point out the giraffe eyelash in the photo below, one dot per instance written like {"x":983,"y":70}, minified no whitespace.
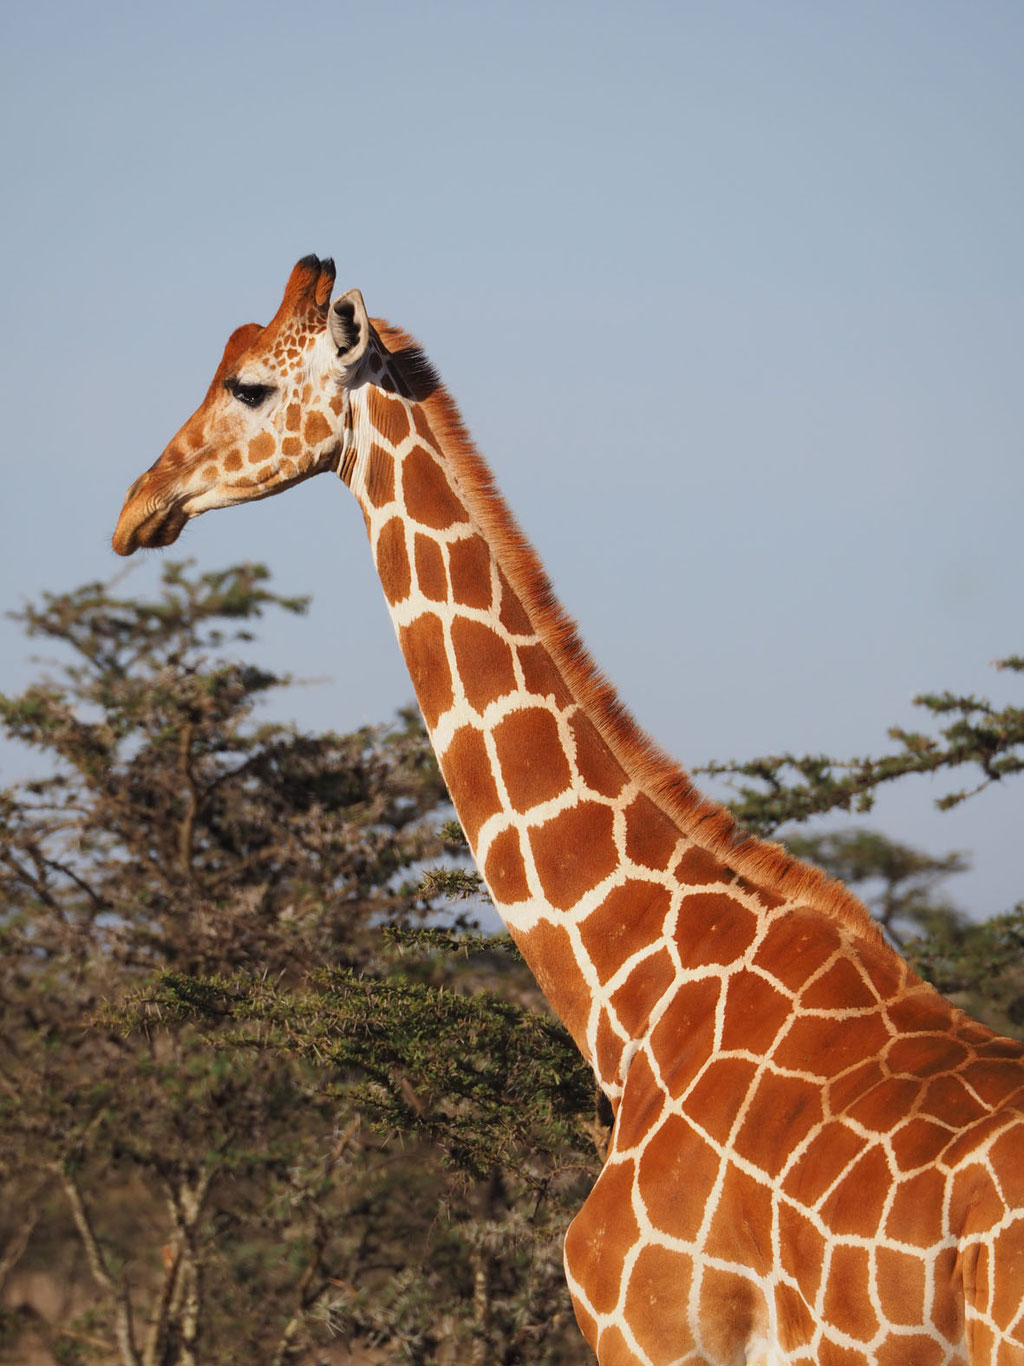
{"x":252,"y":395}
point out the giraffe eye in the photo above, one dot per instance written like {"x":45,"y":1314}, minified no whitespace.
{"x":252,"y":395}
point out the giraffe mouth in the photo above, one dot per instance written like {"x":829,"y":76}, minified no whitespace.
{"x":148,"y":529}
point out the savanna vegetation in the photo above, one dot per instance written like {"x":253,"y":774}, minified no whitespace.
{"x":267,"y":1092}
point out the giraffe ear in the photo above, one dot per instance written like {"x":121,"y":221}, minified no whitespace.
{"x":350,"y":328}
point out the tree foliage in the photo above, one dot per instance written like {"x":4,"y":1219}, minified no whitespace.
{"x":226,"y":1198}
{"x":259,"y":1100}
{"x":973,"y":734}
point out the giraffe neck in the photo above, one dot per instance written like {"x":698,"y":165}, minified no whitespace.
{"x":602,"y":862}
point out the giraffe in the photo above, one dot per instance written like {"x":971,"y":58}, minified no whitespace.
{"x":815,"y":1158}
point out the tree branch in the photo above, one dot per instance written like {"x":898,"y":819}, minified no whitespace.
{"x":101,"y":1273}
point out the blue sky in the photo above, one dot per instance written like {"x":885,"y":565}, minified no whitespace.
{"x":729,"y":294}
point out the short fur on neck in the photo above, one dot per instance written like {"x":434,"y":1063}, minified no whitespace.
{"x":667,"y":784}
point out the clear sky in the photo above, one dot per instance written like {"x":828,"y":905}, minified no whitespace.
{"x":729,"y":293}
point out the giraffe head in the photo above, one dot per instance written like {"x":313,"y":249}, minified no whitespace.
{"x":273,"y":415}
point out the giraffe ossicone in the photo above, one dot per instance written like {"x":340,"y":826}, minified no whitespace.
{"x":815,"y":1157}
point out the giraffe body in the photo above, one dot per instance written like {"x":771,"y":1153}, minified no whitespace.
{"x":815,"y":1158}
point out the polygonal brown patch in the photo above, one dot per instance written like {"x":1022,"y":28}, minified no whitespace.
{"x":551,"y":955}
{"x":982,"y":1345}
{"x":540,"y":677}
{"x":423,"y":646}
{"x":740,"y":1231}
{"x":484,"y":663}
{"x":467,"y":771}
{"x":513,"y":615}
{"x":469,"y":564}
{"x":642,"y":990}
{"x":698,"y":867}
{"x":846,"y":1090}
{"x":990,"y":1045}
{"x":796,"y":946}
{"x":947,"y":1099}
{"x":642,"y":1104}
{"x":678,"y":1168}
{"x":608,"y":1050}
{"x":613,"y":1348}
{"x":683,"y":1038}
{"x":594,"y":760}
{"x":423,"y":426}
{"x":731,"y":1307}
{"x":832,"y":1149}
{"x":380,"y":476}
{"x":781,"y":1114}
{"x":976,"y":1270}
{"x":713,"y":928}
{"x":630,"y":917}
{"x":827,"y":1046}
{"x":316,"y":428}
{"x":924,"y":1055}
{"x":964,"y":1147}
{"x":601,"y":1235}
{"x":1005,"y":1157}
{"x":1007,"y":1261}
{"x":847,"y":1306}
{"x":531,"y":758}
{"x":768,"y":899}
{"x":921,"y":1010}
{"x":796,"y":1323}
{"x":429,"y":499}
{"x":915,"y":1216}
{"x":857,"y":1204}
{"x":393,"y":561}
{"x":651,"y":837}
{"x":887,"y":972}
{"x":900,"y":1278}
{"x":657,"y":1304}
{"x":995,"y":1080}
{"x":830,"y":1353}
{"x":430,"y":576}
{"x":586,"y":1322}
{"x":573,"y":852}
{"x":504,"y":870}
{"x":389,"y":416}
{"x":261,"y":448}
{"x":948,"y":1299}
{"x":918,"y":1142}
{"x":718,"y":1094}
{"x":885,"y":1105}
{"x":904,"y":1348}
{"x":842,"y":987}
{"x":803,"y":1250}
{"x":754,"y":1013}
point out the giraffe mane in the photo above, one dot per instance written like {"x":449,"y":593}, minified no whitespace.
{"x":658,"y":775}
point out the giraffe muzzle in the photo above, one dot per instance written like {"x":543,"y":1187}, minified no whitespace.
{"x":143,"y":525}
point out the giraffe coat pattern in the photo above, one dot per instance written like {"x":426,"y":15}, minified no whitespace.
{"x":815,"y":1157}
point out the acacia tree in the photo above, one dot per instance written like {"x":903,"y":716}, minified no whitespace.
{"x":173,"y":831}
{"x":268,"y":1101}
{"x":429,"y":1059}
{"x":978,"y":963}
{"x":973,"y":735}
